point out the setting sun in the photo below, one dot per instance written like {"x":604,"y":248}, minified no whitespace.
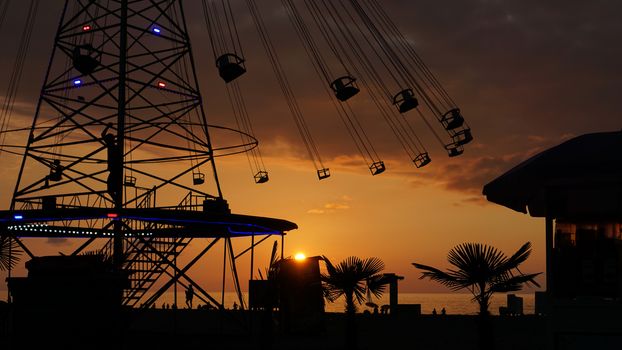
{"x":300,"y":256}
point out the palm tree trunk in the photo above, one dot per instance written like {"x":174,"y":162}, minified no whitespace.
{"x":486,"y":334}
{"x":351,"y":329}
{"x":485,"y":331}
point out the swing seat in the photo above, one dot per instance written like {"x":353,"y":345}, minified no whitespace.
{"x":230,"y":67}
{"x":405,"y":100}
{"x":344,"y":88}
{"x":198,"y":178}
{"x":84,"y":60}
{"x":261,"y":177}
{"x":377,"y":168}
{"x":452,"y":119}
{"x":129,"y":181}
{"x":56,"y":172}
{"x":463,"y":137}
{"x":323,"y":173}
{"x":422,"y":160}
{"x":55,"y":175}
{"x":454,"y":149}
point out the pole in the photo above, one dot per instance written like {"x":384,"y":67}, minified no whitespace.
{"x":252,"y":254}
{"x":282,"y":245}
{"x":175,"y":272}
{"x":224,"y":272}
{"x":120,"y":139}
{"x":549,"y":257}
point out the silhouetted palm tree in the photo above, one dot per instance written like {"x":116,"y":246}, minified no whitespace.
{"x":352,"y":278}
{"x":9,"y":253}
{"x":483,"y":270}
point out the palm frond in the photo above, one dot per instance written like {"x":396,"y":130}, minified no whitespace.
{"x":483,"y":270}
{"x":475,"y":261}
{"x":106,"y":259}
{"x":352,"y":277}
{"x":517,"y":258}
{"x":376,"y":286}
{"x":444,"y":278}
{"x":10,"y":253}
{"x":359,"y":294}
{"x":514,"y":284}
{"x":372,"y":266}
{"x":273,"y":256}
{"x":330,"y":268}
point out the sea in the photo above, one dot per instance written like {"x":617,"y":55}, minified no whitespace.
{"x":454,"y":303}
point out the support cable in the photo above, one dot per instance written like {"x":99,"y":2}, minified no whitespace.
{"x":458,"y":137}
{"x":353,"y":42}
{"x":408,"y":48}
{"x":435,"y":96}
{"x":395,"y":40}
{"x":392,"y":40}
{"x":208,"y":22}
{"x":286,"y":90}
{"x":335,"y":29}
{"x":305,"y":37}
{"x":242,"y":120}
{"x":8,"y":104}
{"x":395,"y":62}
{"x":232,"y":27}
{"x":248,"y":126}
{"x":346,"y":113}
{"x":4,"y":6}
{"x":217,"y":29}
{"x":183,"y":74}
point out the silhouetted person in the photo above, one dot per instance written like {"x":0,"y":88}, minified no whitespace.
{"x":189,"y":296}
{"x":235,"y":305}
{"x":434,"y":312}
{"x":443,"y":312}
{"x":115,"y":166}
{"x":376,"y":310}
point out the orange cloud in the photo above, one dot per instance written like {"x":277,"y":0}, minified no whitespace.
{"x":336,"y":206}
{"x":332,"y":207}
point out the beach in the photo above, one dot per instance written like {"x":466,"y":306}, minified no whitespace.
{"x":454,"y":303}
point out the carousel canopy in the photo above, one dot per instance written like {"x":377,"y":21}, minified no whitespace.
{"x":580,"y":178}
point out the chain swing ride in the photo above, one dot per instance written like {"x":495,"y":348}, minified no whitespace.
{"x":120,"y":128}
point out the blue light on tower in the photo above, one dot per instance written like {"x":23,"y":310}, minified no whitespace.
{"x":18,"y":216}
{"x":77,"y":82}
{"x":156,"y":30}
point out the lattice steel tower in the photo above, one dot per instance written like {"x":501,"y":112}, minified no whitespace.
{"x":120,"y":119}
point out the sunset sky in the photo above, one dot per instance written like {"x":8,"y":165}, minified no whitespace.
{"x":526,"y":74}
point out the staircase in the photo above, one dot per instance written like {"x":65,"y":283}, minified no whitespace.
{"x":147,"y":258}
{"x":147,"y":261}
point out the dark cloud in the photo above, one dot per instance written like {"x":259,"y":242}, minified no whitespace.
{"x":471,"y":173}
{"x":521,"y":65}
{"x":521,"y":71}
